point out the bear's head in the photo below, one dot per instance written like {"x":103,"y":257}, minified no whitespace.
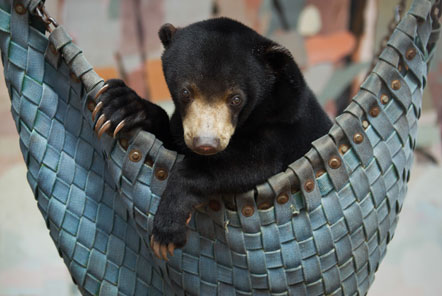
{"x":221,"y":75}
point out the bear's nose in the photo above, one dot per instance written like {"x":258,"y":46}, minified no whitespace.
{"x":206,"y":145}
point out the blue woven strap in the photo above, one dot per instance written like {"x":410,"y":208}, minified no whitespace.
{"x":320,"y":227}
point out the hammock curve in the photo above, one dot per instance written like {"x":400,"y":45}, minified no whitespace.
{"x":321,"y":227}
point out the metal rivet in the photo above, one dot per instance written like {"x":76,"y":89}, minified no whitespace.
{"x":247,"y":211}
{"x":214,"y":205}
{"x":396,"y":84}
{"x":90,"y":106}
{"x":264,"y":205}
{"x":411,"y":53}
{"x":52,"y":48}
{"x":135,"y":155}
{"x":365,"y":124}
{"x":334,"y":162}
{"x":282,"y":198}
{"x":343,"y":148}
{"x":20,"y":8}
{"x":319,"y":173}
{"x":384,"y":99}
{"x":161,"y":174}
{"x":124,"y":143}
{"x":149,"y":161}
{"x":358,"y":138}
{"x":309,"y":185}
{"x":374,"y":112}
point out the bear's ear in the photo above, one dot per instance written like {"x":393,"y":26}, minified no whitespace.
{"x":166,"y":34}
{"x":276,"y":56}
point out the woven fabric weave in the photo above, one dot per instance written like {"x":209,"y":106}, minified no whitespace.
{"x":321,"y":227}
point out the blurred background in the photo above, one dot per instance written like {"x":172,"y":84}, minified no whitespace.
{"x":333,"y":42}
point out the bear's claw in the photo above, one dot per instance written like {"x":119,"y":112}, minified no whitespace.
{"x":118,"y":108}
{"x":96,"y":110}
{"x":161,"y":249}
{"x":101,"y":91}
{"x":104,"y":128}
{"x":100,"y":122}
{"x":119,"y":127}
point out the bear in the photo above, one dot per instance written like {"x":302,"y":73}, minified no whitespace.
{"x":243,"y":112}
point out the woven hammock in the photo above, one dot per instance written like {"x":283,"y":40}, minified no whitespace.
{"x":321,"y":227}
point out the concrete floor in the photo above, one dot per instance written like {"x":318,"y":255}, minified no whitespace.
{"x":29,"y":261}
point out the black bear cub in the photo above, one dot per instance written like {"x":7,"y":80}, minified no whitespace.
{"x":243,"y":112}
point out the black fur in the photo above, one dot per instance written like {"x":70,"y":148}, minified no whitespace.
{"x":166,"y":34}
{"x":279,"y":120}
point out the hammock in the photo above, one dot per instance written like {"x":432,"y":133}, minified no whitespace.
{"x":320,"y":227}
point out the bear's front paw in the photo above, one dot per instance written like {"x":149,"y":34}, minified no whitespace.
{"x":169,"y":232}
{"x":119,"y":109}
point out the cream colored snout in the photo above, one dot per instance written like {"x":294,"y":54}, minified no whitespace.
{"x":207,"y":127}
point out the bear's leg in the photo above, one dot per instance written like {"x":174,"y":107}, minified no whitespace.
{"x":191,"y":183}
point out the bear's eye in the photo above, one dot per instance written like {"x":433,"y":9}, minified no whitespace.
{"x":185,"y":94}
{"x":235,"y":101}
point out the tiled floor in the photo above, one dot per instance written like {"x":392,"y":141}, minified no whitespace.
{"x":29,"y":263}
